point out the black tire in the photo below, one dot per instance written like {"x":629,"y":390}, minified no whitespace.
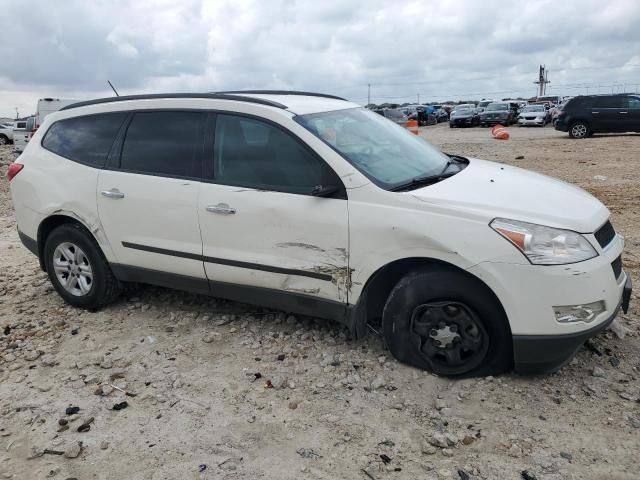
{"x":467,"y":305}
{"x":4,"y":140}
{"x":579,"y":130}
{"x":450,"y":126}
{"x":104,"y":287}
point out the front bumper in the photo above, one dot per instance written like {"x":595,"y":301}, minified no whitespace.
{"x":461,"y":122}
{"x":493,"y":121}
{"x":548,"y":353}
{"x":534,"y":122}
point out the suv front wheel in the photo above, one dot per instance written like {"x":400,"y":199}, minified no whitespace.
{"x":77,"y":268}
{"x":447,"y":322}
{"x":579,"y":130}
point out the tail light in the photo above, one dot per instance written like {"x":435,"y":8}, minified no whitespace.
{"x":14,"y":169}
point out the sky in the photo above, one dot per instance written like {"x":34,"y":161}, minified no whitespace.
{"x":406,"y":51}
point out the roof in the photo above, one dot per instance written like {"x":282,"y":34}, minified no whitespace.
{"x":299,"y":103}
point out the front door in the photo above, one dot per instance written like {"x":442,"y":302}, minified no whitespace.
{"x":261,"y":225}
{"x":148,"y":197}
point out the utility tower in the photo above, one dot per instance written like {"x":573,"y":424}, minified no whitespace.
{"x":543,"y":80}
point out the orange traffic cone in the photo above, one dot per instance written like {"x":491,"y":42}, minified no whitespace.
{"x":412,"y":126}
{"x":500,"y":132}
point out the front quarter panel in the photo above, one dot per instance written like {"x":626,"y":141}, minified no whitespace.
{"x":387,"y":226}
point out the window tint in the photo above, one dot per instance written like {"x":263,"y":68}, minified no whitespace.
{"x":164,"y":143}
{"x":607,"y":102}
{"x":255,"y":154}
{"x":84,"y":139}
{"x":632,"y":102}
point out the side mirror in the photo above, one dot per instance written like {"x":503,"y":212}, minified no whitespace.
{"x":324,"y":190}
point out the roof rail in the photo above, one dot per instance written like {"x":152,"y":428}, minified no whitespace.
{"x":151,"y":96}
{"x":282,"y":92}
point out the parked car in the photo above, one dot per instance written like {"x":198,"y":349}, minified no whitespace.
{"x":584,"y":115}
{"x":535,"y":115}
{"x":482,"y":105}
{"x":421,"y":114}
{"x":441,"y":115}
{"x":394,"y":114}
{"x":312,"y":204}
{"x":464,"y":116}
{"x":6,"y":134}
{"x":498,"y":112}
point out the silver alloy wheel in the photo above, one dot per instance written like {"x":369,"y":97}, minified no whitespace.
{"x":72,"y":269}
{"x":579,"y":130}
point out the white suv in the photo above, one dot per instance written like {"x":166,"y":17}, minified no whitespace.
{"x":314,"y":205}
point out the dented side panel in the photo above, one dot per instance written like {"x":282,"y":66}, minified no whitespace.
{"x":282,"y":241}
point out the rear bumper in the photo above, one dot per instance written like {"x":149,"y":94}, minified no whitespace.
{"x":30,"y":243}
{"x":548,"y":353}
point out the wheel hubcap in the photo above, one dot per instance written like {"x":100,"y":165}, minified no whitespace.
{"x":451,"y":336}
{"x":579,"y":130}
{"x":73,"y":269}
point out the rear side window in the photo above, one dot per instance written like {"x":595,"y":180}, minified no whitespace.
{"x":255,"y":154}
{"x":164,"y":143}
{"x":607,"y":102}
{"x":84,"y":140}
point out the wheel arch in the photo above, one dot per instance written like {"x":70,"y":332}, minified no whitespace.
{"x":368,"y":309}
{"x":49,"y":224}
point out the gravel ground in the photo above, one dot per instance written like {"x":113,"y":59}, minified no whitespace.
{"x":198,"y":370}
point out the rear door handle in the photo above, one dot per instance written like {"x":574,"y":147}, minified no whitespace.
{"x":595,"y":112}
{"x":113,"y":193}
{"x":221,"y":208}
{"x":623,"y":112}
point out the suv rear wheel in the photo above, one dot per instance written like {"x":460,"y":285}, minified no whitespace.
{"x":448,"y":322}
{"x":579,"y":130}
{"x":77,"y":268}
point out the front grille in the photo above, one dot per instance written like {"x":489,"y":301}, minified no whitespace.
{"x":616,"y":265}
{"x":605,"y":234}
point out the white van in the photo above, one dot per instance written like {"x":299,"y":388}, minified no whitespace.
{"x":50,"y":105}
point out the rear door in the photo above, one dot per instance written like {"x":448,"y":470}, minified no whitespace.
{"x":606,"y":112}
{"x":261,"y":226}
{"x":147,"y":198}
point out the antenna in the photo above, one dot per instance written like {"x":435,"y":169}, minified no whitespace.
{"x":113,"y":88}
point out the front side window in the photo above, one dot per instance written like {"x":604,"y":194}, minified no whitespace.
{"x":383,"y":151}
{"x":255,"y":154}
{"x":167,"y":143}
{"x":86,"y":139}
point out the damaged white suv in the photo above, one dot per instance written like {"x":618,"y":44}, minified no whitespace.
{"x":312,"y":204}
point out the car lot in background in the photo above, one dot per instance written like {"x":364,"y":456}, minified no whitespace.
{"x":583,"y":116}
{"x":533,"y":115}
{"x":396,"y":115}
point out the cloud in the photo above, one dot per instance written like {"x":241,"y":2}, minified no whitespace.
{"x":440,"y":50}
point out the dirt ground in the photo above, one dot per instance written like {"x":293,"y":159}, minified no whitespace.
{"x":339,"y":409}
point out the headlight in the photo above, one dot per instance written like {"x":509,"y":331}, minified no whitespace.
{"x":545,"y":245}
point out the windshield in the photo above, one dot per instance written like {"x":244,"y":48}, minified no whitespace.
{"x":385,"y":152}
{"x":462,"y":110}
{"x":497,"y":106}
{"x":533,"y":108}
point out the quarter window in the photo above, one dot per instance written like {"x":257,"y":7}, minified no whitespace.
{"x":632,"y":102}
{"x":255,"y":154}
{"x":85,"y":139}
{"x":164,"y":143}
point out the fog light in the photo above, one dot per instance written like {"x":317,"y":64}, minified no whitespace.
{"x":579,"y":313}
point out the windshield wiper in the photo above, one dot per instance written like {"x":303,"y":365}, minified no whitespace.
{"x":422,"y":181}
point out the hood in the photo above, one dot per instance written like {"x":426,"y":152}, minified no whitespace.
{"x":493,"y":112}
{"x":533,"y":114}
{"x":493,"y":190}
{"x":462,"y":114}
